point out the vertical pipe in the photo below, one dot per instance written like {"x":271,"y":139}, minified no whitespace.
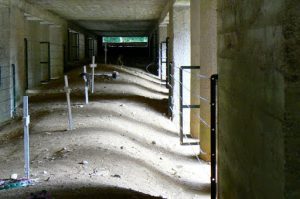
{"x":26,"y":62}
{"x":105,"y":51}
{"x":49,"y":61}
{"x":93,"y":78}
{"x":213,"y":118}
{"x":86,"y":86}
{"x":161,"y":61}
{"x":93,"y":60}
{"x":14,"y":89}
{"x":68,"y":90}
{"x":167,"y":61}
{"x":26,"y":121}
{"x":181,"y":104}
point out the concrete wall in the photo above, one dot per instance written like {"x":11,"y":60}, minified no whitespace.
{"x":95,"y":47}
{"x":56,"y":38}
{"x":16,"y":48}
{"x":44,"y":52}
{"x":258,"y":62}
{"x":5,"y":78}
{"x":32,"y":30}
{"x":81,"y":46}
{"x":20,"y":20}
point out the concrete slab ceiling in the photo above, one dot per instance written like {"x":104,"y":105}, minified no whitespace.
{"x":108,"y":16}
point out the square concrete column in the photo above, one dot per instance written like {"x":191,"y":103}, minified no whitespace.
{"x":195,"y":61}
{"x":180,"y":50}
{"x":208,"y":63}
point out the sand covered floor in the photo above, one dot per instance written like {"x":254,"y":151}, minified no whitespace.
{"x":129,"y":147}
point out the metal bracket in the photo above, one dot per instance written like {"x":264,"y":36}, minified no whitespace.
{"x":184,"y":106}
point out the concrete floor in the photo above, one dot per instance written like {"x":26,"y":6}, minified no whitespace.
{"x":131,"y":147}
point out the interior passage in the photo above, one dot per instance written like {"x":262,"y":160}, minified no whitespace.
{"x":177,"y":99}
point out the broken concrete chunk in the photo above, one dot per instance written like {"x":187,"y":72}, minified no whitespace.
{"x":116,"y":176}
{"x":14,"y":176}
{"x":84,"y":162}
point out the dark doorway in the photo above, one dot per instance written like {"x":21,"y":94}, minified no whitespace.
{"x":45,"y":62}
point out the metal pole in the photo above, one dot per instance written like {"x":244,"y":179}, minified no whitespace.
{"x":14,"y":90}
{"x":93,"y":77}
{"x":26,"y":121}
{"x":93,"y":59}
{"x":105,"y":49}
{"x":68,"y":91}
{"x":161,"y":60}
{"x":86,"y":86}
{"x":181,"y":109}
{"x":213,"y":118}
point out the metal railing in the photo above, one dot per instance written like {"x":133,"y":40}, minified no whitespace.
{"x":213,"y":132}
{"x":182,"y":105}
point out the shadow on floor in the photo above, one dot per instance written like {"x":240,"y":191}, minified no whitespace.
{"x":87,"y":193}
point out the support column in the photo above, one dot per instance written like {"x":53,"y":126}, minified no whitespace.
{"x":181,"y":53}
{"x":208,"y":63}
{"x":195,"y":61}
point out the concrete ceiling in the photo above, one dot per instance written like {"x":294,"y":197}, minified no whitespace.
{"x":104,"y":16}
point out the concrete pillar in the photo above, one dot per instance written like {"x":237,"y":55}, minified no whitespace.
{"x":195,"y":61}
{"x":208,"y":63}
{"x":180,"y":54}
{"x":259,"y":78}
{"x":291,"y":129}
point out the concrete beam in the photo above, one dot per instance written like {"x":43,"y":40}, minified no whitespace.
{"x":165,"y":13}
{"x":30,"y":18}
{"x":182,"y":3}
{"x":164,"y":17}
{"x":46,"y":23}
